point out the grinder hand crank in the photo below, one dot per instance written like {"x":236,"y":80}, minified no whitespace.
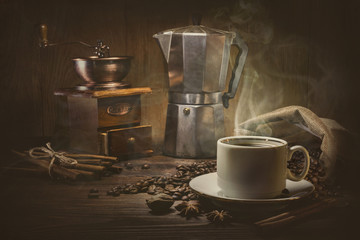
{"x":101,"y":50}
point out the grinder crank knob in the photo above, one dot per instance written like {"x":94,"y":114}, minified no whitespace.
{"x":43,"y":35}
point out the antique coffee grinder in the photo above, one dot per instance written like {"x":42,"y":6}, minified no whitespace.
{"x":104,"y":113}
{"x":197,"y":58}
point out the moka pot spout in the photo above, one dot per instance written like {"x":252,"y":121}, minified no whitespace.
{"x":164,"y":41}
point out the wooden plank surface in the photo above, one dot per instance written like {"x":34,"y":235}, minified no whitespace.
{"x":34,"y":207}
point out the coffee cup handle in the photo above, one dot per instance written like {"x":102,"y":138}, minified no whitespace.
{"x":305,"y":170}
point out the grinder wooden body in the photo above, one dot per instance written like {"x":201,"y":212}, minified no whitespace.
{"x":106,"y":122}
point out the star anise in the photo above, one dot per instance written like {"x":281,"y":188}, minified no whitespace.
{"x":188,"y":209}
{"x":218,"y":216}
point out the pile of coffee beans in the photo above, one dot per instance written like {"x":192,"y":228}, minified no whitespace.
{"x":316,"y":173}
{"x":176,"y":186}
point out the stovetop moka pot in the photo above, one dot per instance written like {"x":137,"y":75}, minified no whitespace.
{"x":198,"y":58}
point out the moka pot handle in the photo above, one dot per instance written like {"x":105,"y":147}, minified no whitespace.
{"x":237,"y":70}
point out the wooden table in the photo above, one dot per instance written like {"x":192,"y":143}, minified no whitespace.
{"x":35,"y":207}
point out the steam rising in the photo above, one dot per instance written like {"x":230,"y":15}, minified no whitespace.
{"x":250,"y":19}
{"x":277,"y":71}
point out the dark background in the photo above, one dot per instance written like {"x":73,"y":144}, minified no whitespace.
{"x":301,"y":52}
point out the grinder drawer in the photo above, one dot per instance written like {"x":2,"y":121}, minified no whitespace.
{"x":126,"y":141}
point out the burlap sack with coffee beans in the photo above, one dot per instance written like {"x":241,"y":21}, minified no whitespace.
{"x":300,"y":126}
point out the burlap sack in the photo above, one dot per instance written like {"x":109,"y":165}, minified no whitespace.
{"x":299,"y":125}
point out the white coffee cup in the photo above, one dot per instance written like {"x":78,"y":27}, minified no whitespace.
{"x":252,"y":167}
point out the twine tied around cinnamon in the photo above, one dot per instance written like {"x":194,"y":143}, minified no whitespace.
{"x":43,"y":152}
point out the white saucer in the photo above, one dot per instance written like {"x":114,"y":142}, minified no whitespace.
{"x":206,"y":186}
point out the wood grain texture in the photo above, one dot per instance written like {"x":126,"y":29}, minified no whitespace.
{"x":300,"y":53}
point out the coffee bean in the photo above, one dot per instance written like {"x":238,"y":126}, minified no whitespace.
{"x":159,"y":189}
{"x":192,"y":196}
{"x":179,"y":166}
{"x":129,"y":165}
{"x":176,"y":178}
{"x":178,"y":194}
{"x":174,"y":189}
{"x":115,"y":169}
{"x":169,"y":187}
{"x":175,"y":197}
{"x":151,"y":188}
{"x":187,"y":191}
{"x":184,"y":198}
{"x":93,"y":190}
{"x":133,"y":190}
{"x":285,"y":191}
{"x":314,"y":180}
{"x":145,"y":166}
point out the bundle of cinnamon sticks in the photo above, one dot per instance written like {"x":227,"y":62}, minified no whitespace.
{"x":88,"y":167}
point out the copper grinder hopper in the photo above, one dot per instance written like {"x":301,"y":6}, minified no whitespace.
{"x":100,"y":71}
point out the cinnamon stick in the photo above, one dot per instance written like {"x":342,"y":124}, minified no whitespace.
{"x":88,"y":167}
{"x":70,"y":174}
{"x":290,"y":213}
{"x":288,"y":217}
{"x":95,"y":162}
{"x":76,"y":155}
{"x":90,"y":161}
